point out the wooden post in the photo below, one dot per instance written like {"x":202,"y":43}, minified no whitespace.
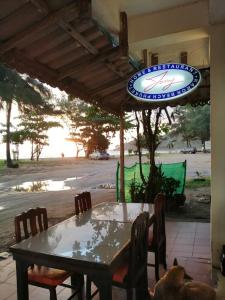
{"x":123,"y":35}
{"x":145,"y":57}
{"x":154,"y":59}
{"x":85,"y":7}
{"x":122,"y":194}
{"x":183,"y":57}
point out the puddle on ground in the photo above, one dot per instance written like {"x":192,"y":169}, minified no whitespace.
{"x":72,"y":178}
{"x":44,"y":185}
{"x":1,"y":207}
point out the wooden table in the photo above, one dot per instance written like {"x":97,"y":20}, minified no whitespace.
{"x":93,"y":243}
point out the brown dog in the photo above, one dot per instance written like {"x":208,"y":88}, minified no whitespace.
{"x":172,"y":286}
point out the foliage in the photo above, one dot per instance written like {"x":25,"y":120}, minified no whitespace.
{"x":34,"y":129}
{"x":198,"y":182}
{"x":154,"y":128}
{"x":89,"y":125}
{"x":97,"y":142}
{"x":2,"y":163}
{"x":167,"y":185}
{"x":137,"y":191}
{"x":193,"y":123}
{"x":24,"y":91}
{"x":130,"y":151}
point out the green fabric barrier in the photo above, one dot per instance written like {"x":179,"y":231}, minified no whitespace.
{"x":174,"y":170}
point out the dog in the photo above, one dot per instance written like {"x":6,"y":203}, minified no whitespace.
{"x":173,"y":286}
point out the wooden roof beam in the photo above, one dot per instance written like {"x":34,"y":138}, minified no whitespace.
{"x":116,"y":94}
{"x":110,"y":84}
{"x":16,"y":59}
{"x":85,"y":7}
{"x":41,"y":6}
{"x":105,"y":86}
{"x":145,"y":57}
{"x":123,"y":35}
{"x":78,"y":37}
{"x":50,"y":19}
{"x":76,"y":67}
{"x":114,"y":69}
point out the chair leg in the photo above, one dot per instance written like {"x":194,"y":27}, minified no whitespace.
{"x":88,"y":288}
{"x":156,"y":265}
{"x":77,"y":281}
{"x":130,"y":294}
{"x":164,"y":256}
{"x":52,"y":291}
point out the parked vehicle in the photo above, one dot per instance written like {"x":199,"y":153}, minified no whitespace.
{"x":103,"y":155}
{"x":191,"y":150}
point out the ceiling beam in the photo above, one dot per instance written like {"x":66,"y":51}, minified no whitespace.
{"x":78,"y":37}
{"x":145,"y":57}
{"x":118,"y":93}
{"x":50,"y":19}
{"x":109,"y":84}
{"x":123,"y":34}
{"x":85,"y":7}
{"x":41,"y":6}
{"x":105,"y":86}
{"x":17,"y":60}
{"x":114,"y":69}
{"x":76,"y":67}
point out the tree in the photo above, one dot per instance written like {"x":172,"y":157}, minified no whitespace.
{"x":22,"y":90}
{"x":193,"y":123}
{"x":201,"y":123}
{"x":154,"y":128}
{"x":34,"y":126}
{"x":17,"y":138}
{"x":89,"y":125}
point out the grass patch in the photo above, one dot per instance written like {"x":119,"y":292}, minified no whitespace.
{"x":2,"y":163}
{"x":198,"y":182}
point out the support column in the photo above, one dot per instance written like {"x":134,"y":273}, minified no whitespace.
{"x":122,"y":193}
{"x":217,"y":85}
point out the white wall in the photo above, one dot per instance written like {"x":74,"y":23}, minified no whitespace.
{"x":197,"y":50}
{"x":174,"y":20}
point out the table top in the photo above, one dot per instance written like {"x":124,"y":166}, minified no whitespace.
{"x":120,"y":212}
{"x":95,"y":237}
{"x":81,"y":239}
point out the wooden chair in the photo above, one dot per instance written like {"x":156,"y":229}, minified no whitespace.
{"x":33,"y":221}
{"x":133,"y":273}
{"x":82,"y":202}
{"x":157,"y":236}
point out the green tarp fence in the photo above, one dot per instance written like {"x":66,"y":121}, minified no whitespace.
{"x":174,"y":170}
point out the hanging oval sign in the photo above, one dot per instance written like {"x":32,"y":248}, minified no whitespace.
{"x":163,"y":82}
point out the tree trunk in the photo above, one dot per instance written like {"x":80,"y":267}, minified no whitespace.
{"x":8,"y":117}
{"x":32,"y":151}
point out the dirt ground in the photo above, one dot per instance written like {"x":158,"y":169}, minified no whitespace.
{"x":82,"y":174}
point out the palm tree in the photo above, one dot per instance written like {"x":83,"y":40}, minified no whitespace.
{"x":23,"y":90}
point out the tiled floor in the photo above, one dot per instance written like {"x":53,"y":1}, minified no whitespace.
{"x":187,"y":241}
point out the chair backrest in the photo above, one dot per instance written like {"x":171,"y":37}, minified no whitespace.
{"x":82,"y":202}
{"x":33,"y":221}
{"x":159,"y":233}
{"x":139,"y":247}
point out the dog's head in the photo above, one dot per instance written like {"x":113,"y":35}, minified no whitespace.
{"x":177,"y":274}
